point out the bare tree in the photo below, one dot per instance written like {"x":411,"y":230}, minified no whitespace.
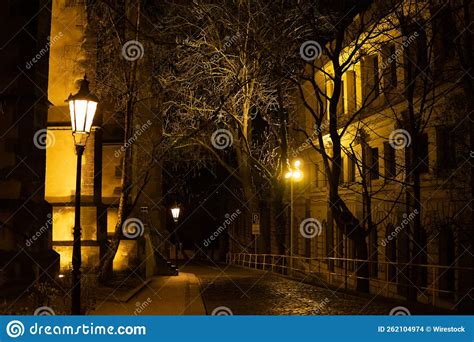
{"x":343,"y":33}
{"x":224,"y":62}
{"x":128,"y":89}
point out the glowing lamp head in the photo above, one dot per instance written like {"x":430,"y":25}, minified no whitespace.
{"x":175,"y":213}
{"x":294,"y":173}
{"x":82,"y":108}
{"x":297,"y":175}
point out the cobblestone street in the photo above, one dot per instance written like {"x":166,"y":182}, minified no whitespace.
{"x":254,"y":292}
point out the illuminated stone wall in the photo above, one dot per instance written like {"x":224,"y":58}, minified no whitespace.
{"x":70,"y":59}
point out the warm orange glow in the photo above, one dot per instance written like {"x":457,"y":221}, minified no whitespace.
{"x":82,"y":115}
{"x":295,"y":174}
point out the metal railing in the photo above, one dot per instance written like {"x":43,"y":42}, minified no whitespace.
{"x":306,"y":266}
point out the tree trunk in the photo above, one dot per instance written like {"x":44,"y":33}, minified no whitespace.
{"x":106,"y":262}
{"x":353,"y":230}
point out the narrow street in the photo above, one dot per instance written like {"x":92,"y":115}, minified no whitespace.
{"x":254,"y":292}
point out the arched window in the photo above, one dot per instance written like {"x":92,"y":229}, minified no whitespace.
{"x":446,"y":258}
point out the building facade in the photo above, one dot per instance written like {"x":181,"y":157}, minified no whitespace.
{"x":399,"y":74}
{"x":375,"y":178}
{"x":25,"y":216}
{"x":81,"y":51}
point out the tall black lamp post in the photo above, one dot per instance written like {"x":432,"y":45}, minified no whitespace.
{"x":175,"y":210}
{"x":82,"y":107}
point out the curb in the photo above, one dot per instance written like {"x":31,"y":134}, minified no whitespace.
{"x":127,"y":296}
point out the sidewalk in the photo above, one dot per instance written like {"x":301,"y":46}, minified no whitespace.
{"x":163,"y":295}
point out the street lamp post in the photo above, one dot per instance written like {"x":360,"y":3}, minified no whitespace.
{"x":175,"y":211}
{"x":294,"y":174}
{"x":82,"y":107}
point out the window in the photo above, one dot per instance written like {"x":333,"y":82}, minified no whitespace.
{"x":447,"y":258}
{"x":351,"y":167}
{"x":389,"y":160}
{"x":351,"y":91}
{"x":423,"y":163}
{"x":389,"y":67}
{"x":445,"y":148}
{"x":370,"y":78}
{"x":373,"y":253}
{"x":374,"y":163}
{"x":416,"y":56}
{"x":375,"y":71}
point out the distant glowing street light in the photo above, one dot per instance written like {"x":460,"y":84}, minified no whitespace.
{"x":82,"y":108}
{"x":175,"y":210}
{"x":294,"y":174}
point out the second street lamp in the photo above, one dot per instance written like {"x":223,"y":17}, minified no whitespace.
{"x":82,"y":108}
{"x":294,"y":174}
{"x":175,"y":211}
